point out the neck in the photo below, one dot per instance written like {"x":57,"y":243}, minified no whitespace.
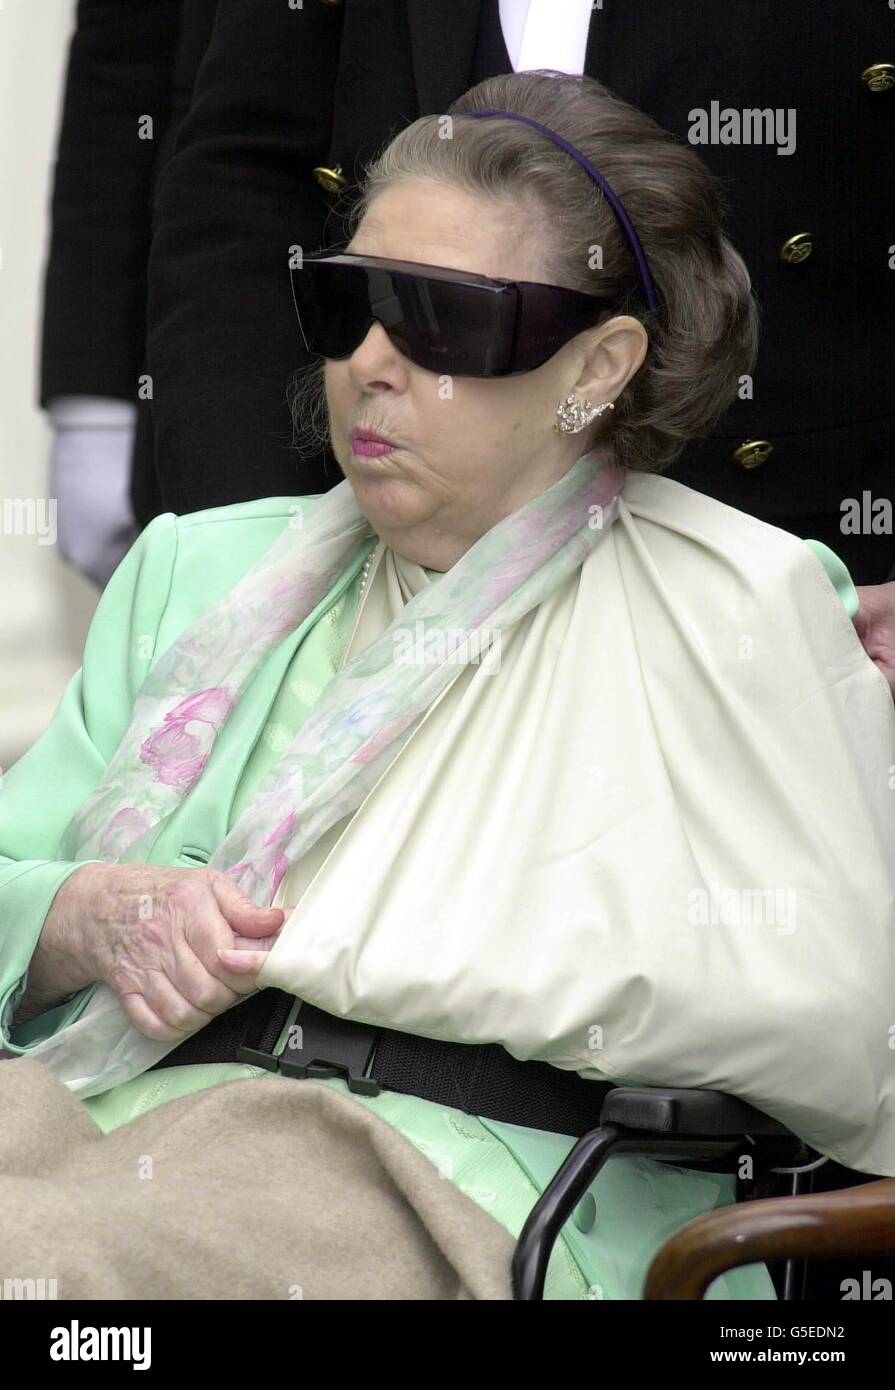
{"x":436,"y":551}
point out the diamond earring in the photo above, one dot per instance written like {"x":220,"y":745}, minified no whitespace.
{"x":572,"y":416}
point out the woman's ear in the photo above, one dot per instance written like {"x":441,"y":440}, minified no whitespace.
{"x":613,"y":354}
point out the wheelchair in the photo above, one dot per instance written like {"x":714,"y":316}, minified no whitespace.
{"x":707,"y":1127}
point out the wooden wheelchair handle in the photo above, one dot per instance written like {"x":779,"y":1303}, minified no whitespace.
{"x":857,"y":1221}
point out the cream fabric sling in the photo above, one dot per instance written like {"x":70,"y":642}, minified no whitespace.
{"x":657,"y":845}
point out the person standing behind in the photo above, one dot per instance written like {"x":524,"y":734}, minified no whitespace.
{"x":129,"y":82}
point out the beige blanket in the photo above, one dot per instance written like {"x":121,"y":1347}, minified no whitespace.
{"x":251,"y":1190}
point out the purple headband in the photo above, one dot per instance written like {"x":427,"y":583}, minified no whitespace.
{"x":623,"y":218}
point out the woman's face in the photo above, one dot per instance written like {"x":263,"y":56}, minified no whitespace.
{"x":470,"y":450}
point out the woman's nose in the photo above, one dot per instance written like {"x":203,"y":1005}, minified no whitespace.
{"x":376,"y":353}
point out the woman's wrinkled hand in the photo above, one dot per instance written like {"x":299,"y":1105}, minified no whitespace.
{"x":177,"y":946}
{"x":875,"y":625}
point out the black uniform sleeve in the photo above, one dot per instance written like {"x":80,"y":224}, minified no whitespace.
{"x":119,"y":72}
{"x":238,"y":191}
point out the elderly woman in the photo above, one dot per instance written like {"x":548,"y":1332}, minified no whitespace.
{"x":505,"y":752}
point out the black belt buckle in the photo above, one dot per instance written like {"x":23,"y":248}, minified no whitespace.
{"x":320,"y":1045}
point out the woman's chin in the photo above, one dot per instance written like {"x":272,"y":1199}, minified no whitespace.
{"x":389,"y":501}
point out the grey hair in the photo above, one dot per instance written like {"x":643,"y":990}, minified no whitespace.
{"x":704,"y":334}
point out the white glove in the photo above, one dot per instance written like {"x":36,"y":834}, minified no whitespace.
{"x":90,"y":472}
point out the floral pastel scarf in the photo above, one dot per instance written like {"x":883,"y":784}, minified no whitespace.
{"x":368,"y":710}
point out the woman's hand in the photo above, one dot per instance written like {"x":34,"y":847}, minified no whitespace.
{"x":875,"y":625}
{"x":176,"y":945}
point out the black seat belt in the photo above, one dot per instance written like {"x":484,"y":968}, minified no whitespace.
{"x":479,"y":1078}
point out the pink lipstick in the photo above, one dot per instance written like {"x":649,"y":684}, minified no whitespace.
{"x":369,"y":444}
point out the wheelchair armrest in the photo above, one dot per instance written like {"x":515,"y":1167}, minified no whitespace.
{"x":658,"y":1121}
{"x":673,"y":1111}
{"x":856,"y":1221}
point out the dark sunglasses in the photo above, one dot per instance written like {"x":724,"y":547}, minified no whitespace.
{"x":446,"y":321}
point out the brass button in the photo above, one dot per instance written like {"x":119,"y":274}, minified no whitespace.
{"x":797,"y":248}
{"x":879,"y":77}
{"x":753,"y":453}
{"x":330,"y":180}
